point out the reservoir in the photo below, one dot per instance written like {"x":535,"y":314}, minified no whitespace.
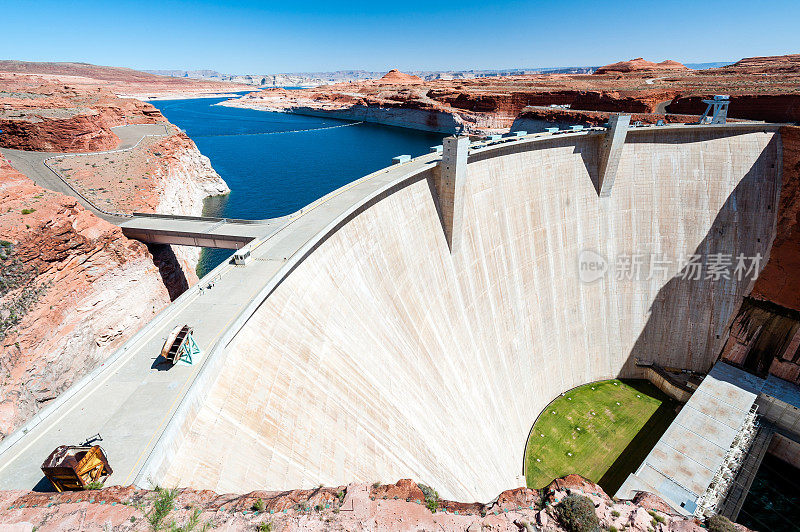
{"x":276,"y":163}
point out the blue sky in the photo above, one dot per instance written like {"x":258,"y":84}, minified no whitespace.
{"x":312,"y":35}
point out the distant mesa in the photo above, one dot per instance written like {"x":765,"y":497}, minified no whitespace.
{"x":775,"y":64}
{"x":640,"y":65}
{"x":395,"y":77}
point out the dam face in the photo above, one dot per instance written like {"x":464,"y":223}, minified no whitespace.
{"x":384,"y":354}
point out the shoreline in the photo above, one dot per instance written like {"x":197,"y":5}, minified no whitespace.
{"x":426,"y":120}
{"x":159,"y":96}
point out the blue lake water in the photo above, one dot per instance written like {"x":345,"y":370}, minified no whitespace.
{"x":272,"y":168}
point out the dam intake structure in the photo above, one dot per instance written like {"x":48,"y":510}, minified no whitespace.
{"x":413,"y":323}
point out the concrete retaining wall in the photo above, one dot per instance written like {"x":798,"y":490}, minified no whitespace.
{"x":786,"y":449}
{"x":663,"y":384}
{"x":383,"y":355}
{"x":782,"y":414}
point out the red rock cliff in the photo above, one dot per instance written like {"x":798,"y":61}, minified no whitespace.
{"x":82,"y":289}
{"x":64,"y":118}
{"x":779,"y":282}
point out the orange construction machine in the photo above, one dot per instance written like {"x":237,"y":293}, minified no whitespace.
{"x":75,"y":467}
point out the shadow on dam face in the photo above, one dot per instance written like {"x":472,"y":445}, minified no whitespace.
{"x":689,"y":317}
{"x":383,"y":355}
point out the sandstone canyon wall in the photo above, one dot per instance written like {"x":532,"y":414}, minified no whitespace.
{"x":185,"y":179}
{"x":444,"y":110}
{"x":89,"y":289}
{"x":53,"y":117}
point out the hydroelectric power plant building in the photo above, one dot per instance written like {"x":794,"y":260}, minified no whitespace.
{"x":414,"y":323}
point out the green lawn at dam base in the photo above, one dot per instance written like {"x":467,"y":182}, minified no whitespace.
{"x":601,"y":431}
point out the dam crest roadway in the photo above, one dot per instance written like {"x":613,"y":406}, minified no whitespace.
{"x":167,"y":425}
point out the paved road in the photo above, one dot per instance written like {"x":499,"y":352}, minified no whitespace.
{"x":31,"y":163}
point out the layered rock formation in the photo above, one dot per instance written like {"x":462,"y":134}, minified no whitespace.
{"x":640,"y":65}
{"x":89,"y":288}
{"x":117,"y":80}
{"x":163,"y":174}
{"x":485,"y":105}
{"x":395,"y":77}
{"x":64,"y":118}
{"x":534,"y":118}
{"x":766,"y":107}
{"x":355,"y":507}
{"x":774,"y":64}
{"x":185,"y":179}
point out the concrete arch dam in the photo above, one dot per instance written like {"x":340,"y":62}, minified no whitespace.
{"x":418,"y":320}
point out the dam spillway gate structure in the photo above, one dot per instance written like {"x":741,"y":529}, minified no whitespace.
{"x":413,"y":323}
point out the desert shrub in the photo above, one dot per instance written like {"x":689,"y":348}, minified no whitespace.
{"x":191,"y":524}
{"x":28,"y":211}
{"x":431,"y":497}
{"x":19,"y":291}
{"x":163,"y":504}
{"x":265,"y":527}
{"x":259,"y":505}
{"x":718,"y":523}
{"x":612,"y":528}
{"x":656,"y":517}
{"x":615,"y":513}
{"x":576,"y":514}
{"x":94,"y":485}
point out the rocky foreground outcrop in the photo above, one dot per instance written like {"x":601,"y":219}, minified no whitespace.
{"x":356,"y":507}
